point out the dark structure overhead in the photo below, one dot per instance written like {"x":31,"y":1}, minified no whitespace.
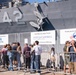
{"x":1,"y":1}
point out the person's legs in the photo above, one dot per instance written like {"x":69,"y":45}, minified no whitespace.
{"x":75,"y":67}
{"x":11,"y":64}
{"x":29,"y":62}
{"x":16,"y":59}
{"x":19,"y":61}
{"x":37,"y":63}
{"x":26,"y":63}
{"x":6,"y":60}
{"x":24,"y":58}
{"x":32,"y":63}
{"x":3,"y":61}
{"x":13,"y":59}
{"x":64,"y":63}
{"x":71,"y":67}
{"x":64,"y":68}
{"x":54,"y":65}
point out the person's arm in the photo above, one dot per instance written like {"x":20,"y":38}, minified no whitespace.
{"x":64,"y":49}
{"x":19,"y":49}
{"x":33,"y":49}
{"x":74,"y":49}
{"x":67,"y":49}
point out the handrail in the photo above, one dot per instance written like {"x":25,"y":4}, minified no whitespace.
{"x":69,"y":52}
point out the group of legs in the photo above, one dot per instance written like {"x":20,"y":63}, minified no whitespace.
{"x":71,"y":65}
{"x":33,"y":63}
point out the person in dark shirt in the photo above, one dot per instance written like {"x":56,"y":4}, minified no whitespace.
{"x":26,"y":53}
{"x":14,"y":51}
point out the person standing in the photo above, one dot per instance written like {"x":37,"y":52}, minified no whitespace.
{"x":52,"y":54}
{"x":38,"y":51}
{"x":10,"y":56}
{"x":32,"y":59}
{"x":26,"y":53}
{"x":14,"y":51}
{"x":66,"y":54}
{"x":72,"y":56}
{"x":5,"y":57}
{"x":19,"y":55}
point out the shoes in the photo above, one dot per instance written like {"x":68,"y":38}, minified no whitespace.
{"x":3,"y":66}
{"x":38,"y":73}
{"x":10,"y":69}
{"x":53,"y":69}
{"x":19,"y":68}
{"x":33,"y":72}
{"x":14,"y":65}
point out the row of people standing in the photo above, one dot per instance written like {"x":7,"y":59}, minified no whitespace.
{"x":10,"y":55}
{"x":32,"y":55}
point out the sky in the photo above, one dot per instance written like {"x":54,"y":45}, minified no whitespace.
{"x":32,"y":1}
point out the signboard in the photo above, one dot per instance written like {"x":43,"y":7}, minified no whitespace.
{"x":67,"y":35}
{"x":44,"y":37}
{"x":3,"y":39}
{"x":25,"y":40}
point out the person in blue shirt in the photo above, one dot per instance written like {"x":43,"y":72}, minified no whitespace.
{"x":74,"y":57}
{"x":10,"y":56}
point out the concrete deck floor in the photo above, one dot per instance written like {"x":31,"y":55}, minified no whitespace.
{"x":21,"y":72}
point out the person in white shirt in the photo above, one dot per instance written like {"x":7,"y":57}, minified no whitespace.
{"x":52,"y":54}
{"x":38,"y":51}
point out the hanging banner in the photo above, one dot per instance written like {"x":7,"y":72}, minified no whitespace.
{"x":44,"y":37}
{"x":67,"y":35}
{"x":3,"y":39}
